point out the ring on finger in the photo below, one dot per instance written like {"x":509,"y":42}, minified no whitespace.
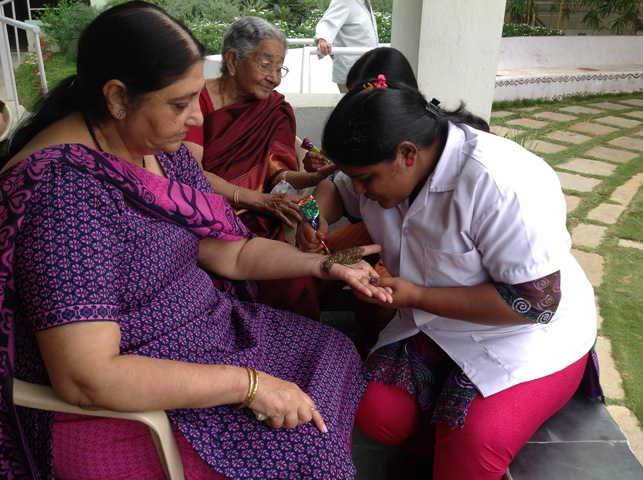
{"x":313,"y":409}
{"x":260,"y":416}
{"x":359,"y":279}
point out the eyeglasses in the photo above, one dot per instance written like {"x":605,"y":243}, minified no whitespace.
{"x":267,"y":68}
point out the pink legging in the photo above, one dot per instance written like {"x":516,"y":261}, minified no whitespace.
{"x":495,"y":429}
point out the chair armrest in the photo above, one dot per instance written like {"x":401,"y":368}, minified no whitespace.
{"x":43,"y":397}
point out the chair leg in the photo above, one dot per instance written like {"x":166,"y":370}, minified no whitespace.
{"x":168,"y":453}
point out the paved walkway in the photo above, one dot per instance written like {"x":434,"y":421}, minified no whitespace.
{"x":579,"y":175}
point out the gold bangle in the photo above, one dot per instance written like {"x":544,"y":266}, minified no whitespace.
{"x":283,"y":176}
{"x":253,"y":379}
{"x":235,"y":197}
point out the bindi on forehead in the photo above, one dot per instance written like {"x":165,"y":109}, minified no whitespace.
{"x":268,"y":55}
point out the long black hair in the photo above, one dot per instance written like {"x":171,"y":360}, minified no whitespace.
{"x":137,"y":43}
{"x":366,"y":126}
{"x":382,"y":60}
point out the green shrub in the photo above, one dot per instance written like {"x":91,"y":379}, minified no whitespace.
{"x":307,"y":28}
{"x":208,"y":20}
{"x":384,"y":6}
{"x":522,"y":30}
{"x":211,"y":35}
{"x":384,"y":21}
{"x":201,"y":12}
{"x":64,"y":23}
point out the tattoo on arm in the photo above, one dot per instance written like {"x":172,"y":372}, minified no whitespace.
{"x":348,"y":256}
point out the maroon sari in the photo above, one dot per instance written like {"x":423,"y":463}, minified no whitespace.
{"x":249,"y":144}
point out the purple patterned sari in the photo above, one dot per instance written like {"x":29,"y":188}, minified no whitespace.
{"x":193,"y":322}
{"x":195,"y":210}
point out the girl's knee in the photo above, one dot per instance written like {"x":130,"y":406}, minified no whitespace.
{"x":486,"y":455}
{"x":387,"y":414}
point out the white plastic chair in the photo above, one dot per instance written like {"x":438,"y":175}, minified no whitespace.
{"x":43,"y":397}
{"x":7,"y":116}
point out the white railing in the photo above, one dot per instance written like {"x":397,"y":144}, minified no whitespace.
{"x":301,"y":41}
{"x":309,"y":51}
{"x":5,"y":55}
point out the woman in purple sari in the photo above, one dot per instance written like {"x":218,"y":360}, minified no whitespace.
{"x":109,"y":232}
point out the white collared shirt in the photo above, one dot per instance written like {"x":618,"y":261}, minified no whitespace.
{"x":347,"y":23}
{"x":490,"y":212}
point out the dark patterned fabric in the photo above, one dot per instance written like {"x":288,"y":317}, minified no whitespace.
{"x":443,"y":391}
{"x":84,"y":253}
{"x":536,"y":301}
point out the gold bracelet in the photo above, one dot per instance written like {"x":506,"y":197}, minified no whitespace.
{"x":253,"y":379}
{"x":283,"y":176}
{"x":235,"y":198}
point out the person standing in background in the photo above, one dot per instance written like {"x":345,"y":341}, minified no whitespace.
{"x":346,"y":23}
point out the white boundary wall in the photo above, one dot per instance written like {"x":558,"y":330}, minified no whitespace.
{"x":558,"y":67}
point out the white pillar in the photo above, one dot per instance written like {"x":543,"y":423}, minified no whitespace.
{"x":453,"y":48}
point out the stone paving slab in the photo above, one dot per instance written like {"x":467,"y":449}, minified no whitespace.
{"x":624,"y":193}
{"x":618,"y":121}
{"x":578,"y":183}
{"x":501,"y":114}
{"x":630,"y":244}
{"x":638,"y":102}
{"x":555,"y":116}
{"x":528,"y":123}
{"x":628,"y":142}
{"x":587,"y":235}
{"x":572,"y":202}
{"x":611,"y":154}
{"x":606,"y":213}
{"x":629,"y":424}
{"x":529,"y":109}
{"x":541,"y":146}
{"x":593,"y":128}
{"x":636,"y":113}
{"x":565,"y":136}
{"x":609,"y":106}
{"x":580,"y":110}
{"x":592,"y":264}
{"x":592,"y":167}
{"x":611,"y":380}
{"x":600,"y":161}
{"x":506,"y":132}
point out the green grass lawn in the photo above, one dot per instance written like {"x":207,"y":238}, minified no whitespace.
{"x":619,"y":296}
{"x":28,"y":79}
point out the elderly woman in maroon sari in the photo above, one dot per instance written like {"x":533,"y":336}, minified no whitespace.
{"x":246,"y":146}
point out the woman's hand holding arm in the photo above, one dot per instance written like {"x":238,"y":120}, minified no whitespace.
{"x":300,"y":180}
{"x":478,"y":304}
{"x":279,"y":205}
{"x":313,"y":161}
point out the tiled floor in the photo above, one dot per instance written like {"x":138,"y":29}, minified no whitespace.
{"x":580,"y":442}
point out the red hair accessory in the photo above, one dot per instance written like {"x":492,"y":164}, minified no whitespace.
{"x":381,"y":83}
